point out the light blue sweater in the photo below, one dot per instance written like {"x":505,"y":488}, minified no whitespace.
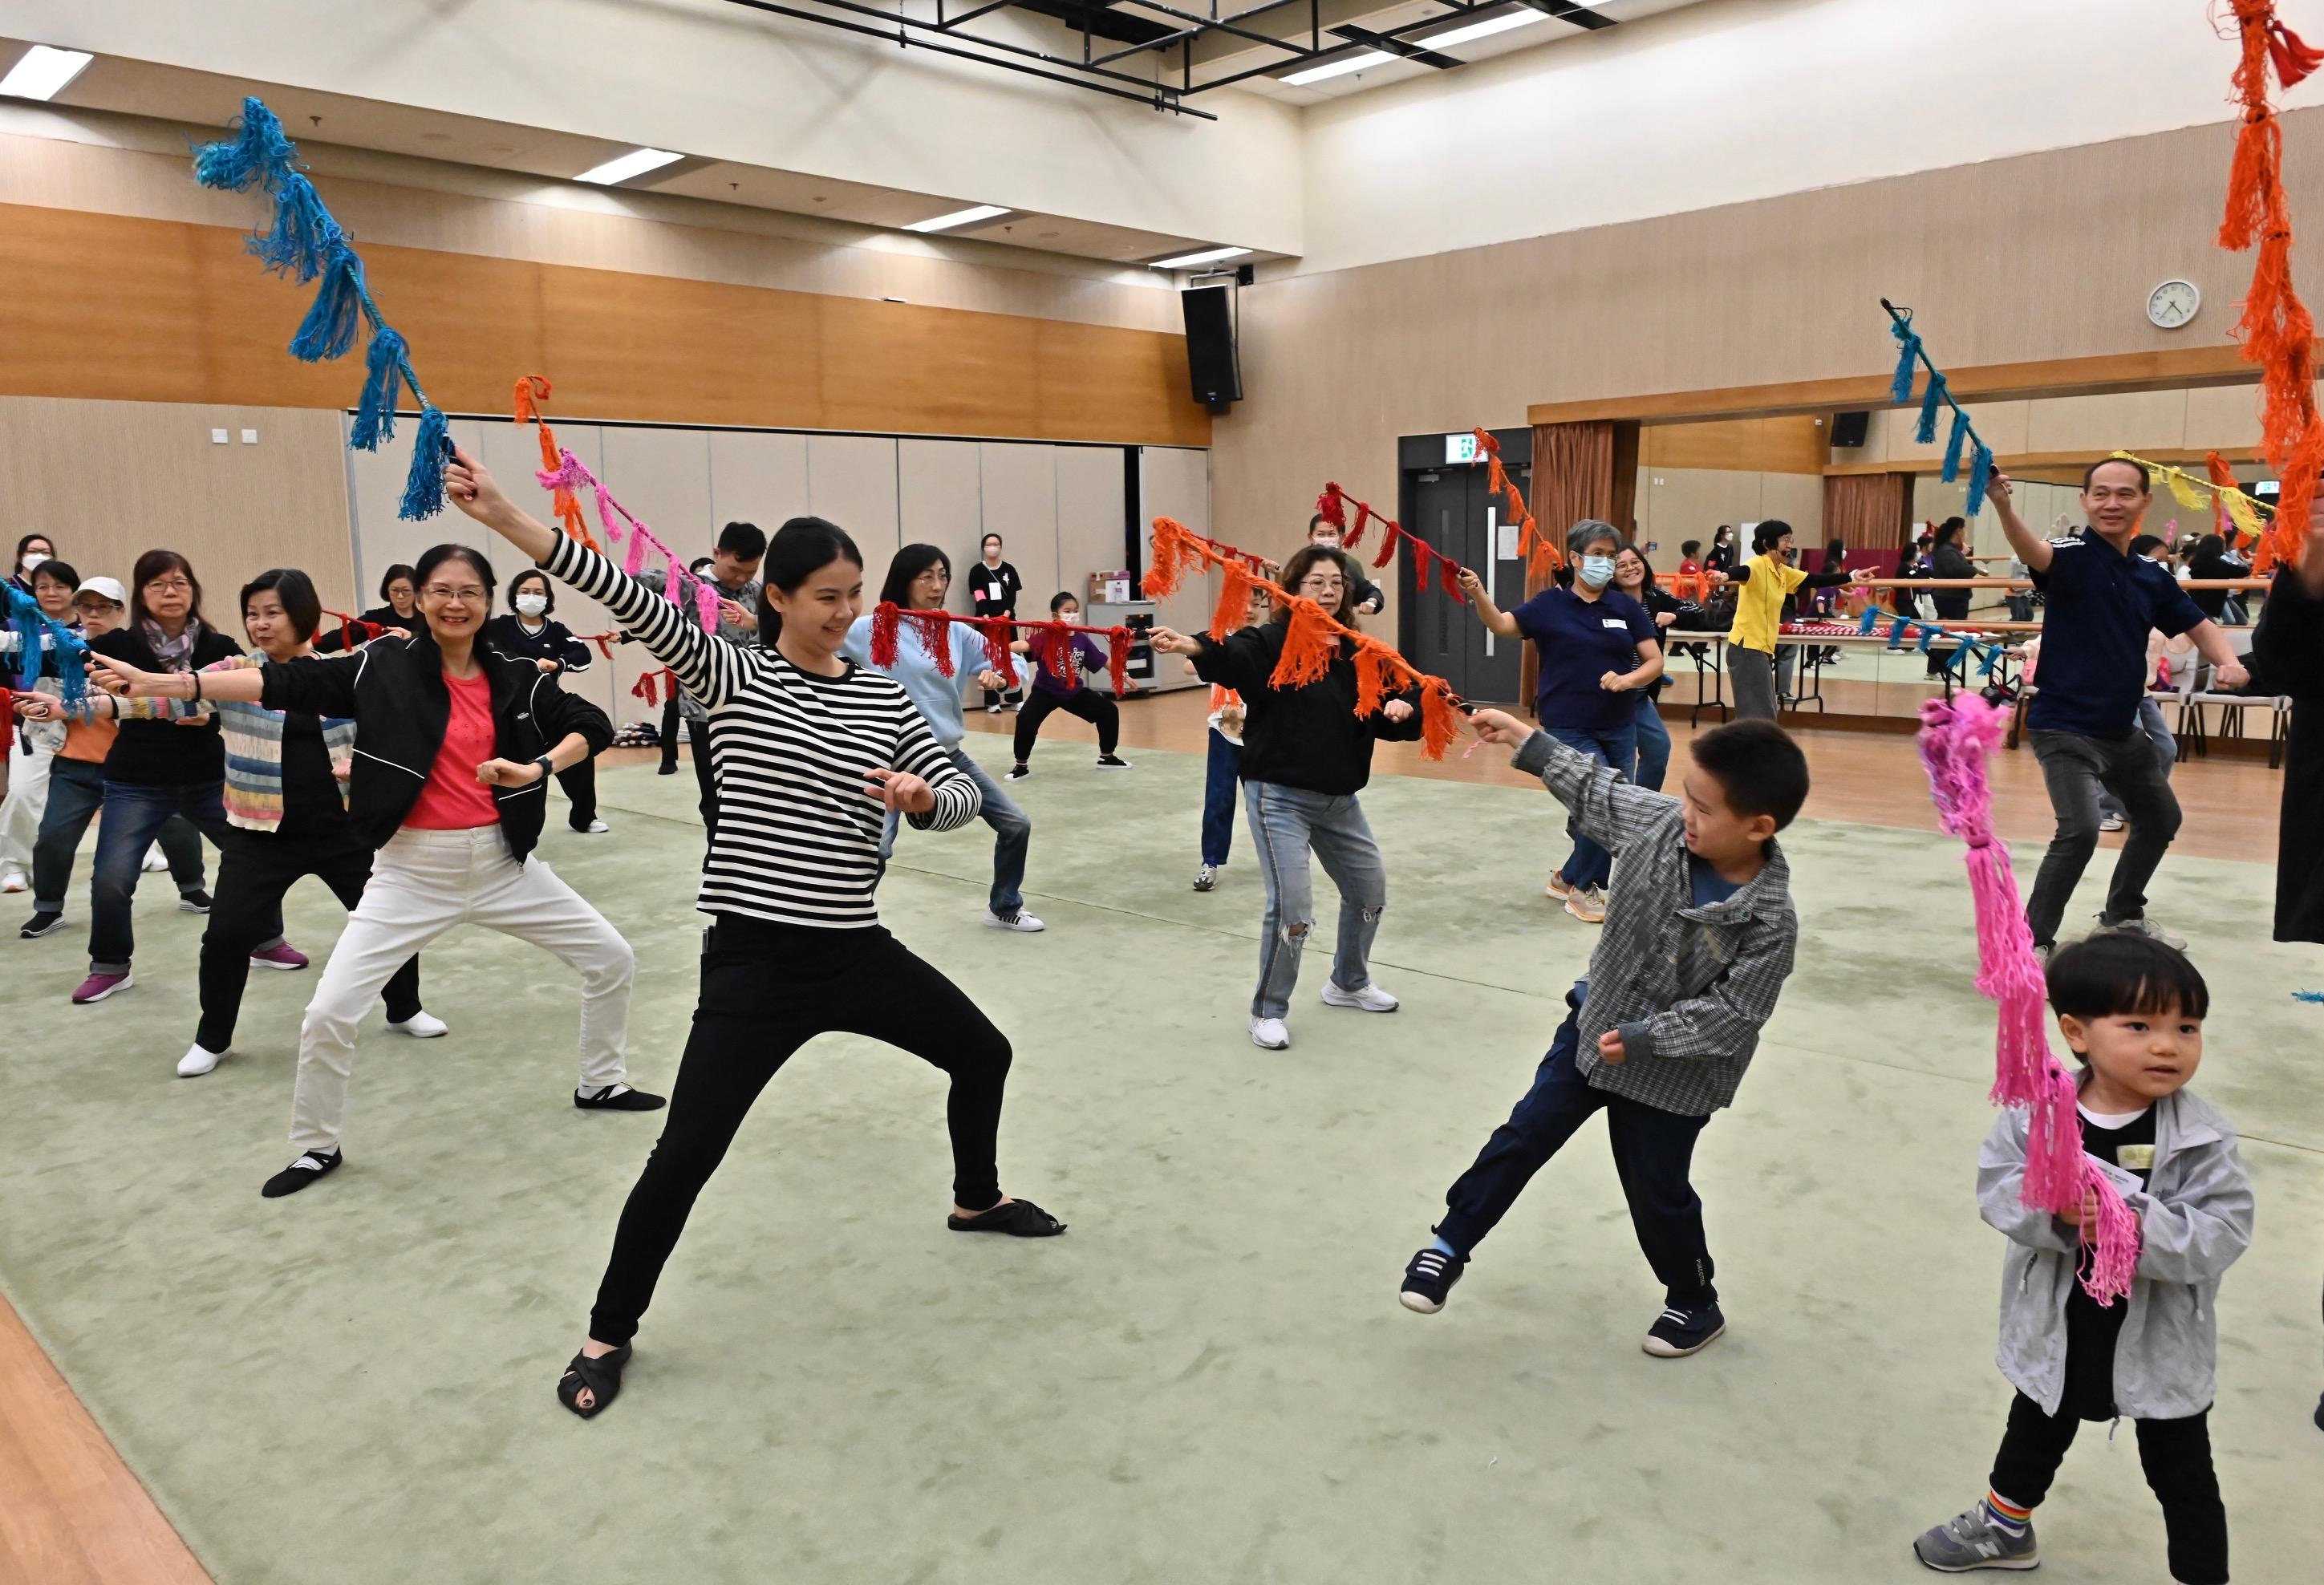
{"x":937,"y":695}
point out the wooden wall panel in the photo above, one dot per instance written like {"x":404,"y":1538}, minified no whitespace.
{"x":117,"y":306}
{"x":1793,"y":444}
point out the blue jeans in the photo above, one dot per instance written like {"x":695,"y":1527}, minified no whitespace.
{"x":1654,"y":1154}
{"x":1219,"y":776}
{"x":134,"y":814}
{"x":1013,"y":835}
{"x":75,"y":792}
{"x":1286,"y":824}
{"x":1590,"y":864}
{"x":1654,"y":744}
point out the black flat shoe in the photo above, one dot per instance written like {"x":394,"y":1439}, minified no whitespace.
{"x":601,"y":1378}
{"x":619,"y":1098}
{"x":1019,"y":1219}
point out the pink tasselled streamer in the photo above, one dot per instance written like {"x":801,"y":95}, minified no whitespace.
{"x":682,"y":588}
{"x":1957,"y":736}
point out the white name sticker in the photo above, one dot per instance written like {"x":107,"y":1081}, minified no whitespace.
{"x":2135,"y":1158}
{"x":1614,"y":622}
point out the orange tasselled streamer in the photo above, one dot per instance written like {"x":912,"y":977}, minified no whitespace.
{"x":2276,"y":330}
{"x":1309,"y":646}
{"x":1174,"y":550}
{"x":1233,"y":612}
{"x":530,"y":392}
{"x":1377,"y":675}
{"x":529,"y":389}
{"x":1439,"y":722}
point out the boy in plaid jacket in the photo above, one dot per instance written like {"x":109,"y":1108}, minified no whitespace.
{"x":1698,"y":940}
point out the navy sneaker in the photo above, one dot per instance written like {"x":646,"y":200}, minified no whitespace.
{"x":1676,"y":1332}
{"x":1428,"y":1277}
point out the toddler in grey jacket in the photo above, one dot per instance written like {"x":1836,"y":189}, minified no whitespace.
{"x":2133,"y":1010}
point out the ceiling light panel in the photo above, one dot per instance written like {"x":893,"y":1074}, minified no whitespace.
{"x":1189,"y":260}
{"x":43,"y":72}
{"x":958,"y":218}
{"x":636,"y":162}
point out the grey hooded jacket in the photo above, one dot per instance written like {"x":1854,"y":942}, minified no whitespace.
{"x":2194,"y":1217}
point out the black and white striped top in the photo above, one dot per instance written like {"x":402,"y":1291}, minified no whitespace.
{"x":797,"y":841}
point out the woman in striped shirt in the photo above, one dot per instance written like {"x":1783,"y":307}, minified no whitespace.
{"x":811,"y":754}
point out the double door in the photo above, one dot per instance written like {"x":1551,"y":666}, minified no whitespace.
{"x":1452,"y":509}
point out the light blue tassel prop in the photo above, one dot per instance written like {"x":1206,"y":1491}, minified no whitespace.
{"x":2308,"y":996}
{"x":383,"y":376}
{"x":1871,"y":615}
{"x":329,"y":328}
{"x":1931,"y":400}
{"x":1928,"y":636}
{"x":35,"y":628}
{"x":1902,"y":632}
{"x":259,"y":154}
{"x":1981,"y":469}
{"x":1908,"y":353}
{"x":431,"y":449}
{"x":1992,"y":660}
{"x":304,"y":238}
{"x":1954,"y":440}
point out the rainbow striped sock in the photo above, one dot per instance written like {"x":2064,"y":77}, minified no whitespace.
{"x":2006,"y":1515}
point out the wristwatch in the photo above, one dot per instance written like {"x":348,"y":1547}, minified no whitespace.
{"x":547,"y":770}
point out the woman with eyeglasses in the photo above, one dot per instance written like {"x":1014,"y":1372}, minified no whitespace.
{"x":1306,"y":756}
{"x":457,"y":742}
{"x":527,"y":632}
{"x":159,"y":768}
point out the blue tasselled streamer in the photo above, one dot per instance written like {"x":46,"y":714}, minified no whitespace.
{"x":259,"y":154}
{"x":304,"y":238}
{"x":431,"y":449}
{"x":1928,"y":636}
{"x":1908,"y":357}
{"x":1933,"y":397}
{"x":1981,"y":469}
{"x":383,"y":378}
{"x":1992,"y":660}
{"x":1864,"y":627}
{"x":39,"y":635}
{"x":329,"y":328}
{"x":1954,"y":440}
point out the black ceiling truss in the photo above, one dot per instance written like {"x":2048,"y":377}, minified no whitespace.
{"x":1170,"y":48}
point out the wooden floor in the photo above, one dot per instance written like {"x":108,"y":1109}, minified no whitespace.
{"x":72,"y":1513}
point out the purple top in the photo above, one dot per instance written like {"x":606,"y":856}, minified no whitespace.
{"x":1086,"y":651}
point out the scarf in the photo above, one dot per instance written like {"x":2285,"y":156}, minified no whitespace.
{"x":174,"y":654}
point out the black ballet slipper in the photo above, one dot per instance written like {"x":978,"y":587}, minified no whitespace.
{"x":601,"y":1376}
{"x":618,"y":1098}
{"x":1019,"y":1219}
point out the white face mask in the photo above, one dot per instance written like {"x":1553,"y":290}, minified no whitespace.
{"x":1597,"y":571}
{"x":531,"y":604}
{"x":1327,"y":541}
{"x":32,"y":559}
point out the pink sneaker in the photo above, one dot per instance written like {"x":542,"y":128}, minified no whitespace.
{"x":98,"y":987}
{"x":281,"y":955}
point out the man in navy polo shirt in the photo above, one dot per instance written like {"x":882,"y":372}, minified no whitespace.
{"x":2084,"y":717}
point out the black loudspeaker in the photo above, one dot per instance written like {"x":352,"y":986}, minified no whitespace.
{"x":1211,"y":356}
{"x":1849,"y":429}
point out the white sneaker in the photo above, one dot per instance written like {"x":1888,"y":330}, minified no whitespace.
{"x":2109,"y":823}
{"x":596,"y":828}
{"x":1020,"y":921}
{"x":420,"y":1026}
{"x":155,"y":859}
{"x":198,"y":1061}
{"x":1269,"y":1034}
{"x":1372,"y":998}
{"x":992,"y":709}
{"x":13,"y":880}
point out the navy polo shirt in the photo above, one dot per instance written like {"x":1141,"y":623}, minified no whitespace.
{"x":2094,"y":626}
{"x":1578,"y":641}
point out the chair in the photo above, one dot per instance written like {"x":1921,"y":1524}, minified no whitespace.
{"x":2194,"y":693}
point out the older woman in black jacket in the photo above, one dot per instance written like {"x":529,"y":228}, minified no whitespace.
{"x":455,"y":744}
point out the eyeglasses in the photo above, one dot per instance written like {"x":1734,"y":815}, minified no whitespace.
{"x":170,"y":586}
{"x":1321,"y":585}
{"x":935,"y":575}
{"x":471,"y":595}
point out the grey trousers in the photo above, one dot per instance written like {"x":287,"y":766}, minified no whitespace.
{"x":2075,"y":769}
{"x":1753,"y":673}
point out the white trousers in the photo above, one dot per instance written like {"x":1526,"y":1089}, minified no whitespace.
{"x":28,"y":796}
{"x":423,"y":883}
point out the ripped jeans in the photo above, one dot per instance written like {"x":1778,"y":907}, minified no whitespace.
{"x":1286,"y":824}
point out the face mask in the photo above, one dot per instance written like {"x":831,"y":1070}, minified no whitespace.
{"x":1597,"y":571}
{"x":32,"y":559}
{"x":532,"y":604}
{"x":1327,"y":541}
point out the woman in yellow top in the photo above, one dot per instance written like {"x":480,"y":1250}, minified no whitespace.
{"x":1768,"y":578}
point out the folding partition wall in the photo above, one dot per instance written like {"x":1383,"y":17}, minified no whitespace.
{"x":1060,"y":508}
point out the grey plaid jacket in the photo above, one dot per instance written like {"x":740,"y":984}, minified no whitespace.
{"x":1687,"y":987}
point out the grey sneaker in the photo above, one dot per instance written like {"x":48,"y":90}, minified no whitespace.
{"x":2141,"y":925}
{"x":1971,"y":1541}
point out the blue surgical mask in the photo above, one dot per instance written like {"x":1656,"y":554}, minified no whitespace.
{"x":1597,"y":571}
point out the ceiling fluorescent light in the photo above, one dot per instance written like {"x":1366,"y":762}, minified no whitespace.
{"x":969,"y":216}
{"x":1361,"y":61}
{"x":1484,"y":30}
{"x":1189,"y":260}
{"x":636,"y":162}
{"x":43,"y":72}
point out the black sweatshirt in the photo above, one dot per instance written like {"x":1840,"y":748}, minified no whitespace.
{"x":162,"y":753}
{"x":1308,"y":737}
{"x":554,"y":641}
{"x":395,"y":691}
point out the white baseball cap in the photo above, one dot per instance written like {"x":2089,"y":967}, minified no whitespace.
{"x":109,"y":587}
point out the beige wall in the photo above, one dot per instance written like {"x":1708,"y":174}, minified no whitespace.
{"x":1678,"y":504}
{"x":110,"y":480}
{"x":1995,"y":258}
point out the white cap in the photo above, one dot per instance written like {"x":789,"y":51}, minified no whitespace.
{"x":109,"y":587}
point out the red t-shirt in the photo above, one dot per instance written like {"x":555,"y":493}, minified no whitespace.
{"x":453,"y":799}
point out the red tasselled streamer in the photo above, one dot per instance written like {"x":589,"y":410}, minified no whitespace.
{"x":1233,"y":612}
{"x":1355,"y":534}
{"x":997,"y":653}
{"x":2293,"y":57}
{"x":1116,"y":659}
{"x":1376,"y":676}
{"x":1390,"y":534}
{"x":1057,"y":647}
{"x":1332,"y":506}
{"x":934,"y":629}
{"x":886,"y":619}
{"x":1448,"y":574}
{"x":1440,"y":722}
{"x":1309,"y":646}
{"x":644,"y":687}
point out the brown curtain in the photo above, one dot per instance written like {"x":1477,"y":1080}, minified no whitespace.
{"x":1869,"y":510}
{"x":1583,"y":470}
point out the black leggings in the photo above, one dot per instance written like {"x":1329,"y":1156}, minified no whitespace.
{"x":2176,"y":1455}
{"x":767,"y":990}
{"x":1086,"y":703}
